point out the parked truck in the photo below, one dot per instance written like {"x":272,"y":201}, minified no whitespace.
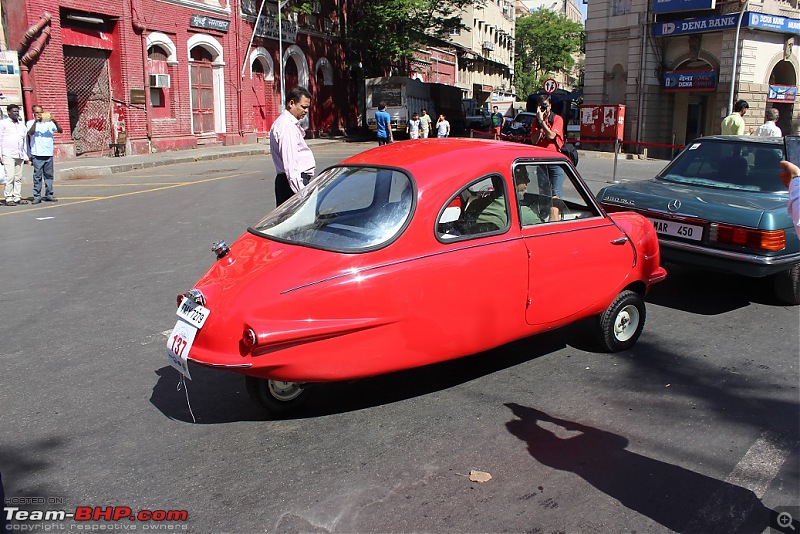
{"x":405,"y":96}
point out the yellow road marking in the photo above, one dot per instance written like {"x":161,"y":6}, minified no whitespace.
{"x":129,"y":193}
{"x":122,"y":185}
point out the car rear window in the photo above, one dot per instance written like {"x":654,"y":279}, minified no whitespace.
{"x":345,"y":209}
{"x":728,"y":165}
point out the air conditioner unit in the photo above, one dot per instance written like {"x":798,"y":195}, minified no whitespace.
{"x":160,"y":81}
{"x":488,"y":45}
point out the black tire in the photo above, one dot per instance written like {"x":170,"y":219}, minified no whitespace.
{"x":787,"y":285}
{"x":275,"y":396}
{"x":622,"y":322}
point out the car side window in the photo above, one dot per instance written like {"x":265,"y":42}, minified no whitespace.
{"x":548,"y":193}
{"x":480,"y":208}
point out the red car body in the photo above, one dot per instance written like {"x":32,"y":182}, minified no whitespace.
{"x":282,"y":309}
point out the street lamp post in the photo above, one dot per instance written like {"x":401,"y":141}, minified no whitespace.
{"x":280,"y":50}
{"x":736,"y":54}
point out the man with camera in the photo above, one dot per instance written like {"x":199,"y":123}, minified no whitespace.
{"x":548,"y":132}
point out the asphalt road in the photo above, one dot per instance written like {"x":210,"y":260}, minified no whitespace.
{"x":694,"y":429}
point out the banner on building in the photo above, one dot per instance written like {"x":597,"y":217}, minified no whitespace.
{"x":782,"y":93}
{"x":772,"y":23}
{"x":268,"y":26}
{"x":671,"y":6}
{"x":757,"y":21}
{"x":690,"y":80}
{"x":10,"y":86}
{"x":209,"y":23}
{"x":698,"y":25}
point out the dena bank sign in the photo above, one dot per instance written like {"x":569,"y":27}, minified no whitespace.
{"x":758,"y":21}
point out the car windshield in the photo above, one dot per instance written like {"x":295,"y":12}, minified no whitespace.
{"x":524,"y":119}
{"x":345,"y":209}
{"x":733,"y":165}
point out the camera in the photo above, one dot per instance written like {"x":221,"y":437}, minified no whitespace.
{"x":543,"y":107}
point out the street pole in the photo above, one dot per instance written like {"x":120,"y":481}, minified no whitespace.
{"x":736,"y":54}
{"x":280,"y":51}
{"x":250,"y":45}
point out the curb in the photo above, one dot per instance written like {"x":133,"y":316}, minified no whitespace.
{"x":73,"y":170}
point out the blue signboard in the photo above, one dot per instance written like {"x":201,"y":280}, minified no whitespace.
{"x":781,"y":93}
{"x":772,"y":23}
{"x":758,"y":21}
{"x":670,"y":6}
{"x":698,"y":25}
{"x":690,"y":80}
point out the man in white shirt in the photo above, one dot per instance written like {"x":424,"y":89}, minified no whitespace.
{"x":13,"y":154}
{"x":293,"y":160}
{"x":769,"y":128}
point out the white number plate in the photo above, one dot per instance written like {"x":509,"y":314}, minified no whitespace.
{"x":678,"y":229}
{"x":179,"y":344}
{"x":192,"y":313}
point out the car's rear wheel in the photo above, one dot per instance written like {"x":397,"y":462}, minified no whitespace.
{"x":275,"y":396}
{"x":787,"y":285}
{"x":622,"y":322}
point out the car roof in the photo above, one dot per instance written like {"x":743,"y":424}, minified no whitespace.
{"x":438,"y":161}
{"x":740,"y":139}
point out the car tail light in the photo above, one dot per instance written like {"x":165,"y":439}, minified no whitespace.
{"x":250,"y":338}
{"x":771,"y":240}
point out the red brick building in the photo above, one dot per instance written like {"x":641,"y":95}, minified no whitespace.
{"x":156,"y":75}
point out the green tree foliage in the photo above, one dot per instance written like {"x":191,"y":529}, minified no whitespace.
{"x":545,"y":42}
{"x":383,"y":33}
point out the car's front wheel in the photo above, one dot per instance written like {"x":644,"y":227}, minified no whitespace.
{"x":787,"y":285}
{"x":276,"y":396}
{"x":622,"y":322}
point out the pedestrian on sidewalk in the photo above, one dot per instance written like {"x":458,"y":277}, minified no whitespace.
{"x":13,"y":154}
{"x":40,"y":139}
{"x":733,"y":124}
{"x":412,"y":128}
{"x":425,"y":123}
{"x":497,"y":122}
{"x":293,"y":160}
{"x":770,"y":128}
{"x":442,"y":126}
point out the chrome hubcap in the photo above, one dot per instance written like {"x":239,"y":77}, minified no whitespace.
{"x":626,"y":323}
{"x":284,"y":391}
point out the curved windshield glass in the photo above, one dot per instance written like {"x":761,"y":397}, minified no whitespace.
{"x":345,"y":209}
{"x":733,"y":165}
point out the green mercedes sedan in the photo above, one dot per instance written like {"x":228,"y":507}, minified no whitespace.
{"x":720,"y":205}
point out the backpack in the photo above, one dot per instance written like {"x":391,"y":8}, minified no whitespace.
{"x":571,"y":152}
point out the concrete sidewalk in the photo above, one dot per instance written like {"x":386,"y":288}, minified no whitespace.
{"x":94,"y":167}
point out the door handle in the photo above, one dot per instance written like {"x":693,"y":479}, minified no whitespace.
{"x":619,"y":241}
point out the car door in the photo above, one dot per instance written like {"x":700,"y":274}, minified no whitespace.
{"x":577,"y":258}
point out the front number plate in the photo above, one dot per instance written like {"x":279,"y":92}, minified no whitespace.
{"x":678,"y":229}
{"x":179,"y":344}
{"x":192,"y":313}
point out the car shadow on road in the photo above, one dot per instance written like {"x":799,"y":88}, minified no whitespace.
{"x":676,"y":498}
{"x":214,"y":396}
{"x":710,"y":293}
{"x":220,"y":397}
